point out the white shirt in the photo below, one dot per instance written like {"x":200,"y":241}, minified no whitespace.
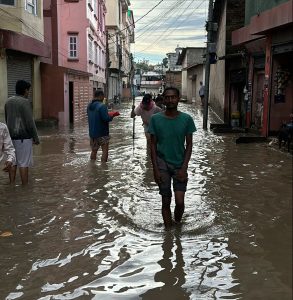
{"x":146,"y":114}
{"x":7,"y":151}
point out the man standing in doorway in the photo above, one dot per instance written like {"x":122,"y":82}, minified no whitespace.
{"x":98,"y":120}
{"x":171,"y":146}
{"x":201,"y":93}
{"x":22,"y":129}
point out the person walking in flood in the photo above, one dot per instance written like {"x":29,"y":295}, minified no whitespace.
{"x":171,"y":147}
{"x":201,"y":93}
{"x":22,"y":129}
{"x":98,"y":121}
{"x":7,"y":152}
{"x":145,"y":110}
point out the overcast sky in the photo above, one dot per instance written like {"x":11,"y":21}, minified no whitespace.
{"x":171,"y":23}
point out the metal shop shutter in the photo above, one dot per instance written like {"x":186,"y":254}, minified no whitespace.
{"x":18,"y":67}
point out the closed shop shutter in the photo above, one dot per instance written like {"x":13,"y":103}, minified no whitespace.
{"x":19,"y":67}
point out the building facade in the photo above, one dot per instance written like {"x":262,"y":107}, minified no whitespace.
{"x":152,"y":83}
{"x":227,"y":73}
{"x":21,"y":47}
{"x":191,"y":60}
{"x":173,"y":58}
{"x":75,"y":31}
{"x":267,"y":36}
{"x":120,"y":34}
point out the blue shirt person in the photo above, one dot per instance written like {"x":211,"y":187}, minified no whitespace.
{"x":98,"y":121}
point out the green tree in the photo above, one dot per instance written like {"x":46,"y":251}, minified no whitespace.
{"x":165,"y":62}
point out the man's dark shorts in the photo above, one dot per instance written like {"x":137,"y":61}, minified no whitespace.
{"x":97,"y":142}
{"x":169,"y":172}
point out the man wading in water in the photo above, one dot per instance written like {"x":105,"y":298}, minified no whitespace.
{"x":171,"y":146}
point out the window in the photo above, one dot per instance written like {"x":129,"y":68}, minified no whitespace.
{"x":103,"y":60}
{"x":7,"y":2}
{"x":31,"y":6}
{"x":96,"y":54}
{"x":95,"y":6}
{"x":90,"y":49}
{"x":72,"y":53}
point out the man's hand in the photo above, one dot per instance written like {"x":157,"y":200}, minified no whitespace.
{"x":157,"y":177}
{"x":113,"y":113}
{"x":182,"y":175}
{"x":7,"y":166}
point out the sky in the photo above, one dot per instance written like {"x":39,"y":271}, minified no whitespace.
{"x":169,"y":23}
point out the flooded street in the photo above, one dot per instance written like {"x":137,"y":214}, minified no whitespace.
{"x":84,"y":230}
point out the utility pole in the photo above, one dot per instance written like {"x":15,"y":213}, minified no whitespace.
{"x":107,"y":67}
{"x":207,"y":65}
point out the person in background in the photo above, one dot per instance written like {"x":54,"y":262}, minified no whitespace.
{"x":201,"y":93}
{"x":171,"y":147}
{"x":7,"y":151}
{"x":22,"y":129}
{"x":145,"y":110}
{"x":159,"y":101}
{"x":98,"y":121}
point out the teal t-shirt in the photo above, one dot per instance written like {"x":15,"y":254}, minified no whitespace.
{"x":170,"y":134}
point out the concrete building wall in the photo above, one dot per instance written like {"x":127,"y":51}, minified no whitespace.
{"x":3,"y":85}
{"x":194,"y":56}
{"x":184,"y":84}
{"x":112,"y":19}
{"x":217,"y":71}
{"x":16,"y":18}
{"x":254,"y":7}
{"x":37,"y":89}
{"x":52,"y":98}
{"x":174,"y":79}
{"x":72,"y":19}
{"x":194,"y":76}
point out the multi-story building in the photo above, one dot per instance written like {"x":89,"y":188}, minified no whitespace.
{"x":21,"y":46}
{"x":227,"y":72}
{"x":173,"y":58}
{"x":191,"y":60}
{"x":267,"y":36}
{"x":151,"y":83}
{"x":120,"y":34}
{"x":75,"y":31}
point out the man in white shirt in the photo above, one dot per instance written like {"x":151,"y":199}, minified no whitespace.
{"x":145,"y":109}
{"x":7,"y":152}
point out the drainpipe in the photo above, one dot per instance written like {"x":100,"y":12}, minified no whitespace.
{"x":266,"y":90}
{"x":107,"y":67}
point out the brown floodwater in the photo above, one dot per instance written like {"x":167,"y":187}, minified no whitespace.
{"x":84,"y":230}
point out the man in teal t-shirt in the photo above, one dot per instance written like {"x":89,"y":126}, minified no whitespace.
{"x":171,"y":146}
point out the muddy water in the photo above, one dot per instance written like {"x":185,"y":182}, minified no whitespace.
{"x":85,"y":230}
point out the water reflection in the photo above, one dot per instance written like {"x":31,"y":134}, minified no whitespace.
{"x":84,"y":230}
{"x":172,"y":275}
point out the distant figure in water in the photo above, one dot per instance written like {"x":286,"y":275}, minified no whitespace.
{"x":171,"y":146}
{"x":145,"y":109}
{"x":98,"y":121}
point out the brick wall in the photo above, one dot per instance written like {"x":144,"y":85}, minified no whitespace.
{"x":82,"y":94}
{"x":173,"y":79}
{"x":235,"y":16}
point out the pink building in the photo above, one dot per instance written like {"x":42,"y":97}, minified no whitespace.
{"x":75,"y":31}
